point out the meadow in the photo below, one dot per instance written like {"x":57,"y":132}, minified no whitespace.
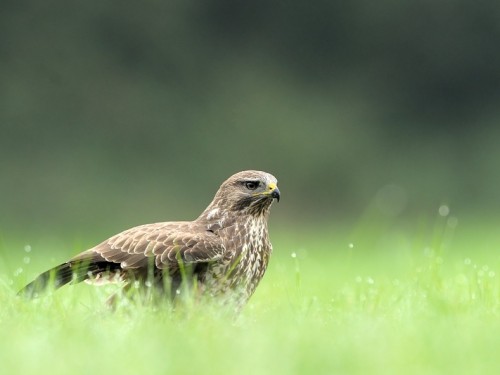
{"x":421,"y":297}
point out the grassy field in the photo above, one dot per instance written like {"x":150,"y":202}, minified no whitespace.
{"x":377,"y":299}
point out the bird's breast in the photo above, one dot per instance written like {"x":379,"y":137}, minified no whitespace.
{"x":247,"y":255}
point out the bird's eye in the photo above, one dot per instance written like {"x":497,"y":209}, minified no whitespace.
{"x":252,"y":185}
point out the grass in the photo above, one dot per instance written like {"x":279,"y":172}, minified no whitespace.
{"x":424,"y":299}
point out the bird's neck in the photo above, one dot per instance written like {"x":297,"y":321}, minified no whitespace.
{"x":224,"y":217}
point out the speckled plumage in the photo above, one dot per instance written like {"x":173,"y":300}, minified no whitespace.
{"x":226,"y":249}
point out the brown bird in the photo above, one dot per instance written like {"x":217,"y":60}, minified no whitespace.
{"x":224,"y":252}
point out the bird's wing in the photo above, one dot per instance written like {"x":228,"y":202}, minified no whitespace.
{"x":169,"y":243}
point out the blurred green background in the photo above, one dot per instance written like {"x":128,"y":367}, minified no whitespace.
{"x":115,"y":114}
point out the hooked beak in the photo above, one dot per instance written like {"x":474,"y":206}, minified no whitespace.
{"x":274,"y":192}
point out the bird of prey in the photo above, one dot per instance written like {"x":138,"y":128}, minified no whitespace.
{"x":224,"y":252}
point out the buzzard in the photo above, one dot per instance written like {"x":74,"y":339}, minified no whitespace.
{"x":224,"y":252}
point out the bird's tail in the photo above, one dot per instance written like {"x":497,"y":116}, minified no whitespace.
{"x":70,"y":272}
{"x":55,"y":278}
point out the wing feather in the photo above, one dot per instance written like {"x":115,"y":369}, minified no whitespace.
{"x":168,"y":243}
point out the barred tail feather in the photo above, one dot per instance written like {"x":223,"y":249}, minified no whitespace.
{"x":70,"y":272}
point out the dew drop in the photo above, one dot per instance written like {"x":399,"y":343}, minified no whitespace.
{"x":467,"y":261}
{"x":294,"y":255}
{"x":148,"y":284}
{"x":444,"y":210}
{"x":491,"y":274}
{"x":27,"y":248}
{"x":351,"y":246}
{"x":369,"y":280}
{"x":26,"y":260}
{"x":178,"y":291}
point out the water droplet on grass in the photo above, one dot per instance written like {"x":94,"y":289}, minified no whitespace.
{"x":491,"y":274}
{"x":27,"y":248}
{"x":444,"y":210}
{"x":294,"y":255}
{"x":369,"y":280}
{"x":467,"y":261}
{"x":351,"y":245}
{"x":18,"y":271}
{"x":26,"y":260}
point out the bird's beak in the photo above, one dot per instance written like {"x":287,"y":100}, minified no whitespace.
{"x":274,"y":192}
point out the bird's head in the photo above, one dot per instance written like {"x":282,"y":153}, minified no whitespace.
{"x":247,"y":192}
